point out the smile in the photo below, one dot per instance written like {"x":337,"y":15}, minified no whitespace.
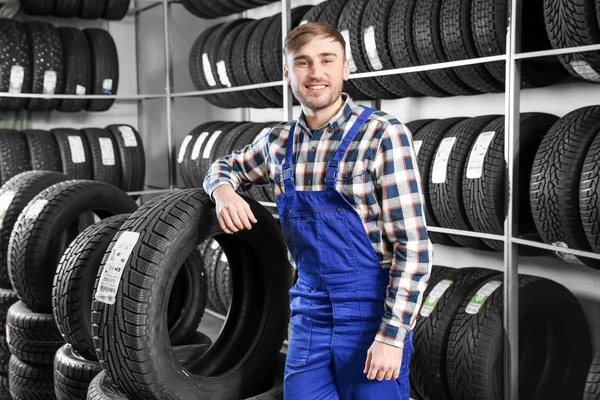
{"x":316,"y":87}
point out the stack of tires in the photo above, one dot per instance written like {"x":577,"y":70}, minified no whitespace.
{"x":219,"y":286}
{"x":214,"y":9}
{"x":458,"y":339}
{"x":213,"y":140}
{"x":85,"y":9}
{"x":113,"y":155}
{"x":41,"y":59}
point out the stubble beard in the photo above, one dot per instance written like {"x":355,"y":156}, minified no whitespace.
{"x":318,"y":104}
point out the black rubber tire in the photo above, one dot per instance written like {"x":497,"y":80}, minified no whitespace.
{"x":555,"y":181}
{"x":592,"y":386}
{"x":258,"y":315}
{"x":102,"y":388}
{"x":313,"y":14}
{"x":428,"y":46}
{"x":483,"y":196}
{"x":457,"y":42}
{"x":402,"y":48}
{"x":257,"y":64}
{"x":575,"y":23}
{"x":30,"y":381}
{"x":37,"y":7}
{"x":43,"y":150}
{"x":72,"y":289}
{"x":105,"y":68}
{"x":211,"y":147}
{"x":475,"y":345}
{"x":184,"y":158}
{"x":16,"y":52}
{"x":275,"y":382}
{"x":211,"y":257}
{"x":77,"y":66}
{"x":14,"y":154}
{"x":66,"y":8}
{"x":76,"y":164}
{"x":8,"y":297}
{"x":91,"y":9}
{"x":46,"y":55}
{"x":431,"y":135}
{"x":106,"y":164}
{"x":116,"y":9}
{"x":25,"y":187}
{"x":428,"y":362}
{"x":588,"y":194}
{"x":130,"y":148}
{"x":415,"y":126}
{"x":32,"y":337}
{"x":4,"y":390}
{"x":73,"y":374}
{"x":35,"y":249}
{"x":447,"y":197}
{"x":489,"y":19}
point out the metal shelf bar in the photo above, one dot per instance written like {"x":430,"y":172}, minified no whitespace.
{"x":171,"y":150}
{"x":544,"y":246}
{"x":142,"y":192}
{"x":459,"y":232}
{"x":215,"y":314}
{"x":226,"y":90}
{"x":557,"y":52}
{"x":118,"y":97}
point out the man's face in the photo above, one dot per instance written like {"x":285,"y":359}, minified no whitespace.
{"x":316,"y":73}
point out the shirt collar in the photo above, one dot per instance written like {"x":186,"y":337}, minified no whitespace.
{"x":338,"y":119}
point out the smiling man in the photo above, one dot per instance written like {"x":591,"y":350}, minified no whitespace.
{"x":350,"y":204}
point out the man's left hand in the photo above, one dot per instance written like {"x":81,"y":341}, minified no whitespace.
{"x":383,"y":361}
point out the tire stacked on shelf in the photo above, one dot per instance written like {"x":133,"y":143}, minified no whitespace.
{"x":459,"y":338}
{"x":86,"y":9}
{"x":225,"y":55}
{"x":210,"y":9}
{"x":42,"y":59}
{"x":159,"y":235}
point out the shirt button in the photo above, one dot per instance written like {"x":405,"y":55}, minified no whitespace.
{"x":313,"y":148}
{"x":309,"y":183}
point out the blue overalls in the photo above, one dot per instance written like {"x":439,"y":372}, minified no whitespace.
{"x":338,"y":301}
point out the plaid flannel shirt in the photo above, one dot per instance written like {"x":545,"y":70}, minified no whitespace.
{"x":378,"y":176}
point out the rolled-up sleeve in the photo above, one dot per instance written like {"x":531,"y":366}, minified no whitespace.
{"x":402,"y":214}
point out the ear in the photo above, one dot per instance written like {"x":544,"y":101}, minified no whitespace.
{"x":346,"y":70}
{"x":286,"y":74}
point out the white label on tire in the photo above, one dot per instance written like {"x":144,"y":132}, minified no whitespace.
{"x":417,"y":145}
{"x":107,"y":150}
{"x":8,"y":334}
{"x":477,"y":156}
{"x":371,"y":47}
{"x":128,"y":136}
{"x":198,"y":145}
{"x":80,"y":90}
{"x":107,"y":86}
{"x":214,"y":245}
{"x":77,"y":152}
{"x":304,"y":21}
{"x":17,"y":75}
{"x":208,"y":70}
{"x":346,"y":34}
{"x":33,"y":210}
{"x":570,"y":258}
{"x":210,"y":144}
{"x":440,"y":164}
{"x":5,"y":201}
{"x":481,"y":296}
{"x":114,"y":267}
{"x":434,"y":296}
{"x":183,"y":148}
{"x":585,"y":70}
{"x":222,"y":71}
{"x":49,"y":81}
{"x":223,"y":257}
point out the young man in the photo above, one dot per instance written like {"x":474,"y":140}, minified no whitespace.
{"x":350,"y":204}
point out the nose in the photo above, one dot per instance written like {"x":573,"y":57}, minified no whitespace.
{"x":316,"y":72}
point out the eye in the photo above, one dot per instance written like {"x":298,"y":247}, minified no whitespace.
{"x":328,"y":61}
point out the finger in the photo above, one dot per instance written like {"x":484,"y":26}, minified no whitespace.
{"x":244,"y":219}
{"x":372,"y":372}
{"x":228,"y":221}
{"x":250,"y":214}
{"x":367,"y":363}
{"x":380,"y":375}
{"x":235,"y":218}
{"x":396,"y":374}
{"x":222,"y":223}
{"x":389,"y":374}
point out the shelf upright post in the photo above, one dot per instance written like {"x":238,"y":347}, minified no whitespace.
{"x":169,"y":91}
{"x":286,"y":23}
{"x":511,"y":227}
{"x":140,"y":103}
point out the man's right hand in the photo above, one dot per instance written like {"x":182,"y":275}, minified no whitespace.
{"x":233,"y":212}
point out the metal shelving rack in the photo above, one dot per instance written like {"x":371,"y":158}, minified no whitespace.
{"x":513,"y":57}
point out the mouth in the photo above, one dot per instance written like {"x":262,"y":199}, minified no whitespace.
{"x":314,"y":87}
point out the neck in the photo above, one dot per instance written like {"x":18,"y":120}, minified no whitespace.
{"x":317,"y":118}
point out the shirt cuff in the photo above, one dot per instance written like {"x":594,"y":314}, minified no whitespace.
{"x":392,"y":335}
{"x":211,"y":190}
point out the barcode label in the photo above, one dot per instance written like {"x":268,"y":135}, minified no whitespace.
{"x":128,"y":136}
{"x":77,"y":152}
{"x":107,"y":151}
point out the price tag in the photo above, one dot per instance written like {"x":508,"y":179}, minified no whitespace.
{"x":481,"y":296}
{"x":477,"y":156}
{"x":208,"y":70}
{"x":33,"y":210}
{"x":222,"y":71}
{"x":346,"y":34}
{"x":434,"y":297}
{"x":50,"y":82}
{"x":107,"y":86}
{"x":183,"y":148}
{"x":128,"y":136}
{"x":77,"y":151}
{"x":371,"y":47}
{"x":107,"y":151}
{"x":5,"y":200}
{"x":17,"y":75}
{"x":585,"y":70}
{"x":440,"y":164}
{"x":114,"y":267}
{"x":417,"y":144}
{"x":198,"y":145}
{"x":80,"y":90}
{"x":210,"y":144}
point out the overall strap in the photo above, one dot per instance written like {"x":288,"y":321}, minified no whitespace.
{"x":288,"y":165}
{"x":334,"y":164}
